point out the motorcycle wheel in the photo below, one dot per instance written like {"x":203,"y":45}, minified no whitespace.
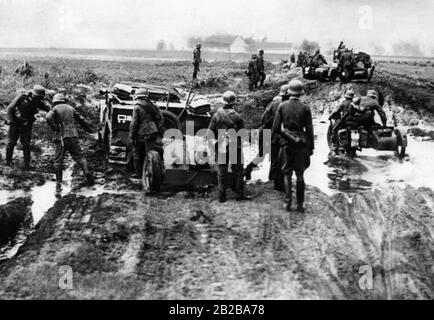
{"x":400,"y":151}
{"x":152,"y":176}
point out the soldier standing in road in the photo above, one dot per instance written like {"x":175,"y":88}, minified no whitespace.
{"x":276,"y":173}
{"x":145,"y":128}
{"x":20,"y":118}
{"x":346,"y":62}
{"x":293,"y":123}
{"x":253,"y":73}
{"x":62,"y":120}
{"x":261,"y":68}
{"x":227,"y":118}
{"x":197,"y":60}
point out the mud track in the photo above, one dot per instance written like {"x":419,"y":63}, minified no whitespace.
{"x":123,"y":245}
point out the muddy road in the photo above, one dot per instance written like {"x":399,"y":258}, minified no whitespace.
{"x":367,"y":233}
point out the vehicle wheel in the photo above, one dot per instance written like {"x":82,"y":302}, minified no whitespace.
{"x":152,"y":175}
{"x":333,"y":75}
{"x":171,"y":121}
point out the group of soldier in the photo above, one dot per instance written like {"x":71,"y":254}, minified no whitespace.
{"x":256,"y":71}
{"x":289,"y":119}
{"x":62,"y":119}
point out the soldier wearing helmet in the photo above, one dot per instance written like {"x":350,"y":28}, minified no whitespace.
{"x":62,"y":119}
{"x":197,"y":60}
{"x":20,"y":118}
{"x":293,"y":123}
{"x":253,"y":72}
{"x":224,"y":119}
{"x":261,"y":68}
{"x":344,"y":106}
{"x":318,"y":59}
{"x":368,"y":105}
{"x":146,"y":127}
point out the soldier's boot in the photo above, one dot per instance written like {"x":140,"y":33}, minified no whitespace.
{"x":222,"y":197}
{"x":89,"y":176}
{"x":300,"y":196}
{"x":26,"y":154}
{"x":138,"y":167}
{"x":9,"y":154}
{"x":288,"y":191}
{"x":59,"y":174}
{"x":239,"y":185}
{"x":249,"y":170}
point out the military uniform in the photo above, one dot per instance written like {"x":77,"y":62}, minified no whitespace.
{"x":346,"y":61}
{"x":343,"y":108}
{"x":367,"y":118}
{"x":146,"y":126}
{"x":261,"y":69}
{"x":227,"y":118}
{"x":296,"y":117}
{"x":21,"y":116}
{"x":253,"y":74}
{"x":197,"y":60}
{"x":276,"y":173}
{"x":62,"y":120}
{"x":318,"y":60}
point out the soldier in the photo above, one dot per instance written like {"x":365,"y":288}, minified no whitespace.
{"x":227,"y":118}
{"x":267,"y":123}
{"x":145,"y":128}
{"x":197,"y":60}
{"x":261,"y":68}
{"x":368,"y":105}
{"x":346,"y":62}
{"x":62,"y":120}
{"x":292,"y":59}
{"x":20,"y":117}
{"x":253,"y":73}
{"x":344,"y":106}
{"x":293,"y":123}
{"x":318,"y":59}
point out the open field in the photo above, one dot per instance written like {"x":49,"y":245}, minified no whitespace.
{"x":122,"y":244}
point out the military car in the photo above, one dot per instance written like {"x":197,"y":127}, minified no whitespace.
{"x":116,"y":111}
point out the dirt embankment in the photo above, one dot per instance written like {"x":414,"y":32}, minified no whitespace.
{"x":187,"y":245}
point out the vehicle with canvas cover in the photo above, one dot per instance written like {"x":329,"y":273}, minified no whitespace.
{"x":116,"y":111}
{"x":361,"y":67}
{"x":177,"y":108}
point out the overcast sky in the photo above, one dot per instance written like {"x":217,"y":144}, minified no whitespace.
{"x":137,"y":24}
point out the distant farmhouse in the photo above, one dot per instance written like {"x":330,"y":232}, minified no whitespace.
{"x":238,"y":44}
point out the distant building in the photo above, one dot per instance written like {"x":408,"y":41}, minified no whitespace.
{"x":239,"y":45}
{"x":276,"y":47}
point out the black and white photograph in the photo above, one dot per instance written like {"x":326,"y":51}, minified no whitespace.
{"x":233,"y":152}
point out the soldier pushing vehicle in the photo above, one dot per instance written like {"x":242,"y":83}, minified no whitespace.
{"x":145,"y":129}
{"x":62,"y":120}
{"x":20,"y":118}
{"x":293,"y":123}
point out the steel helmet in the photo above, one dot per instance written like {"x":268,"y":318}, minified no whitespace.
{"x":295,"y":88}
{"x":198,"y":46}
{"x":254,"y":56}
{"x":349,"y":94}
{"x":284,"y":90}
{"x":261,"y":51}
{"x":229,"y":98}
{"x":38,"y":91}
{"x":59,"y":98}
{"x":141,"y":93}
{"x":372,"y":94}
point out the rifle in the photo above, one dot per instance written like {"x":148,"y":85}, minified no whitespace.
{"x":289,"y":135}
{"x":187,"y":102}
{"x":60,"y":128}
